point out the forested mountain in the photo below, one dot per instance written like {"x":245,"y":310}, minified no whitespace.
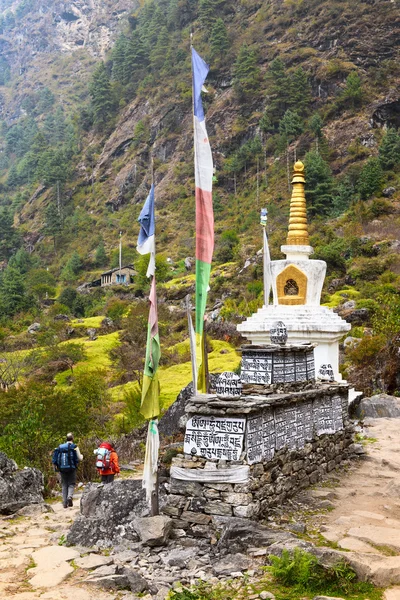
{"x":92,"y":90}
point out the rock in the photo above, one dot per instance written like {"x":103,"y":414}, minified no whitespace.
{"x":32,"y":510}
{"x":34,"y":328}
{"x":18,"y":487}
{"x":358,"y":316}
{"x":378,"y":406}
{"x":137,"y":583}
{"x":188,"y":263}
{"x":266,"y":595}
{"x":388,"y":192}
{"x":52,"y":566}
{"x":153,"y":531}
{"x":107,"y":513}
{"x":92,"y":333}
{"x":111,"y":582}
{"x":62,"y":318}
{"x":298,"y":527}
{"x":105,"y":571}
{"x":350,"y":304}
{"x":350,"y":342}
{"x":239,"y":534}
{"x":179,"y":557}
{"x":92,"y":561}
{"x":231,"y":563}
{"x":107,"y":322}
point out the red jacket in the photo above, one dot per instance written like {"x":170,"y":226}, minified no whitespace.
{"x":114,"y":466}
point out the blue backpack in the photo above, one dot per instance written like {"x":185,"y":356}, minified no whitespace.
{"x":65,"y":458}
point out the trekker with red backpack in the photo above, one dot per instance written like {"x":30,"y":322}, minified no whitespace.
{"x":107,"y":462}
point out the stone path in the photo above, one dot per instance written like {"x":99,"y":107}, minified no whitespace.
{"x":32,"y":564}
{"x":364,"y":515}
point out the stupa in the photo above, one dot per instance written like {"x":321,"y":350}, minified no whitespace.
{"x":296,"y":287}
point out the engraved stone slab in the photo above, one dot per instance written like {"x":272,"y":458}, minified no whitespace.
{"x":215,"y":437}
{"x":228,"y":385}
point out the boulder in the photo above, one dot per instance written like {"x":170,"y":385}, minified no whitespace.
{"x":61,"y":317}
{"x":137,"y":583}
{"x":231,"y":564}
{"x":239,"y":534}
{"x":153,"y":531}
{"x":92,"y":333}
{"x":107,"y":322}
{"x":378,"y":407}
{"x":18,"y":487}
{"x":34,"y":328}
{"x":388,"y":192}
{"x":169,"y":423}
{"x":358,"y":316}
{"x":107,"y":514}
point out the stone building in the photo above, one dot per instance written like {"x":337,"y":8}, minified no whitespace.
{"x":118,"y":276}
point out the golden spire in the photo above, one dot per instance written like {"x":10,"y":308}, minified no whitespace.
{"x":298,"y":231}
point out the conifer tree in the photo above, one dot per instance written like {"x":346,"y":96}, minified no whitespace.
{"x":9,"y":237}
{"x":352,"y":94}
{"x":100,"y":91}
{"x":371,"y":179}
{"x":100,"y":257}
{"x":246,"y":74}
{"x":207,"y":14}
{"x":316,"y":124}
{"x":118,"y":59}
{"x":219,"y":41}
{"x":160,"y":50}
{"x":319,"y":184}
{"x":278,"y":90}
{"x":135,"y":60}
{"x":53,"y":223}
{"x":12,"y":292}
{"x":299,"y":91}
{"x":291,"y":125}
{"x":389,"y":150}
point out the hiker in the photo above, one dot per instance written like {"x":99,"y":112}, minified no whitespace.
{"x":65,"y":460}
{"x":107,"y":462}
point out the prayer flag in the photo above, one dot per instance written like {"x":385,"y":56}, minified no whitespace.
{"x":146,"y":241}
{"x":203,"y":167}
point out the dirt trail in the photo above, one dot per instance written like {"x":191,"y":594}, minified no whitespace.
{"x":365,"y":511}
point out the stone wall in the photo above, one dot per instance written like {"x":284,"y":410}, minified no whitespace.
{"x":194,"y":499}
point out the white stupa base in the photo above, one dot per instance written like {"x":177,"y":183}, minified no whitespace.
{"x":316,"y":324}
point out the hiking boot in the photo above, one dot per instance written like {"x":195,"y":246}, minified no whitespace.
{"x":65,"y":505}
{"x":70,"y":503}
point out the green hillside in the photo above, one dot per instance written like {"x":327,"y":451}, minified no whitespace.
{"x":81,"y":120}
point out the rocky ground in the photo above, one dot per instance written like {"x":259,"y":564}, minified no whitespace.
{"x":356,"y":513}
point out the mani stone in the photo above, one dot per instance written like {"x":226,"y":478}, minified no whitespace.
{"x":153,"y":531}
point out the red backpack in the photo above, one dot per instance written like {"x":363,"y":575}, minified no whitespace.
{"x":103,"y":455}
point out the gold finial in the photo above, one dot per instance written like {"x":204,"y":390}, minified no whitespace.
{"x":298,"y":231}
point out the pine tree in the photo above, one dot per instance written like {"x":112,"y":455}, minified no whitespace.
{"x":278,"y":90}
{"x":135,"y":60}
{"x":12,"y":292}
{"x":299,"y":91}
{"x":319,"y":184}
{"x":118,"y":59}
{"x":53,"y":222}
{"x":159,"y":52}
{"x":371,"y":179}
{"x":100,"y":257}
{"x":352,"y":94}
{"x":290,"y":126}
{"x":207,"y":14}
{"x":389,"y":150}
{"x":219,"y":41}
{"x":9,"y":237}
{"x":75,"y":263}
{"x":100,"y":91}
{"x":316,"y":125}
{"x":246,"y":74}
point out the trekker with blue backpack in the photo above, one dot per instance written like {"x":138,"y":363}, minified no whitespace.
{"x":65,"y":460}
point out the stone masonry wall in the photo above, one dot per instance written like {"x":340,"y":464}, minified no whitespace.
{"x":192,"y":504}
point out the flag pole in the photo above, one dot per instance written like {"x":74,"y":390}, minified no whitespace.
{"x":154,"y":501}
